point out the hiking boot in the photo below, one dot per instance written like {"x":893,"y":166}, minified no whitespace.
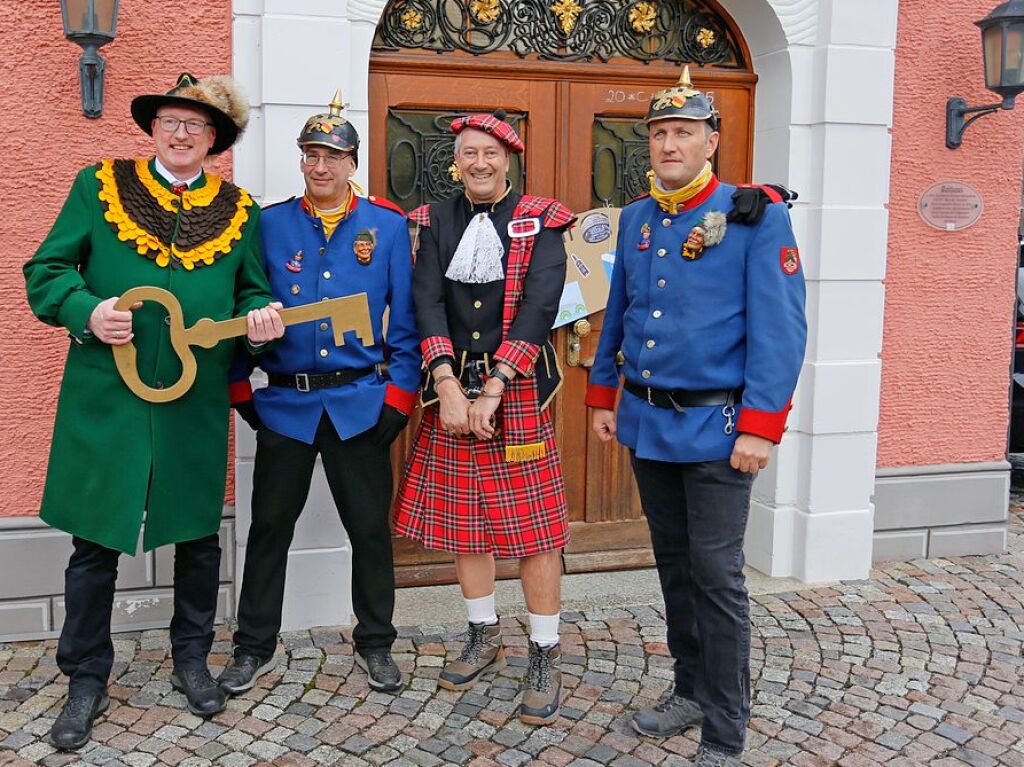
{"x":73,"y":726}
{"x":669,"y":716}
{"x":710,"y":756}
{"x":381,"y":670}
{"x":482,"y":653}
{"x":242,"y":673}
{"x":543,"y":693}
{"x":205,"y":698}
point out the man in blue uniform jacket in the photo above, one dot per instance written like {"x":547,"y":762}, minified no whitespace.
{"x":708,"y":314}
{"x":335,"y":401}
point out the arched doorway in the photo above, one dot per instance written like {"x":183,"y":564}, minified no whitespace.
{"x":575,"y":77}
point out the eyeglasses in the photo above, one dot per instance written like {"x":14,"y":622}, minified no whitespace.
{"x":170,"y":125}
{"x":332,"y":161}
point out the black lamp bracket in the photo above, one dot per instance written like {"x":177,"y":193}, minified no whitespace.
{"x":956,"y":109}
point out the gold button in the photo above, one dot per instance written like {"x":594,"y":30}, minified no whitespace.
{"x":325,"y":298}
{"x":476,"y":335}
{"x":477,"y":304}
{"x":656,"y":313}
{"x":327,"y":275}
{"x":666,"y":222}
{"x":651,"y":344}
{"x":322,"y":251}
{"x":646,"y":374}
{"x":661,"y":283}
{"x":661,"y":252}
{"x":295,"y":290}
{"x":323,"y":352}
{"x":323,"y":326}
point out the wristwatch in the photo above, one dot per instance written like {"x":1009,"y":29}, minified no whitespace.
{"x":495,"y":373}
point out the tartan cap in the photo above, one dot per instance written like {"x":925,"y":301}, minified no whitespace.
{"x":683,"y":102}
{"x":491,"y":123}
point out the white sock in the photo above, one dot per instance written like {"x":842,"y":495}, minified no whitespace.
{"x":544,"y":629}
{"x":481,"y":610}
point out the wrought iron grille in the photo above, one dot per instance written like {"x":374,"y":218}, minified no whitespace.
{"x":620,"y":160}
{"x":421,"y":156}
{"x":674,"y":31}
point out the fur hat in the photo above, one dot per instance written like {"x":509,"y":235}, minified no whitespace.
{"x":220,"y":96}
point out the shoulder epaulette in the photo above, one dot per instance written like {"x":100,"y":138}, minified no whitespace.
{"x":384,"y":202}
{"x":639,"y":197}
{"x":420,"y":215}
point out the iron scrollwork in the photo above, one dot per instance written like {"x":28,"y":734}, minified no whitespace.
{"x":565,"y":30}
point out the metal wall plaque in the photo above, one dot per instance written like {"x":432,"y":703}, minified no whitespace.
{"x":951,"y":206}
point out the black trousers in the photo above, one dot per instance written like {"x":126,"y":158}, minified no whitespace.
{"x":85,"y":651}
{"x":359,"y":476}
{"x":697,"y":513}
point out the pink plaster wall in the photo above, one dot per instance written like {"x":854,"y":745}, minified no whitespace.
{"x":44,"y":141}
{"x":948,"y":296}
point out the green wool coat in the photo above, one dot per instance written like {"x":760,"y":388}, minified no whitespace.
{"x":116,"y":461}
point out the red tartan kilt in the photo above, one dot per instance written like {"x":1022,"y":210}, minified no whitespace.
{"x":460,"y":495}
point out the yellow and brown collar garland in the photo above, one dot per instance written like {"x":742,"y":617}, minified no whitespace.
{"x":192,"y":230}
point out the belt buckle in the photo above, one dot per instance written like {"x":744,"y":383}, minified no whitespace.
{"x":302,"y":381}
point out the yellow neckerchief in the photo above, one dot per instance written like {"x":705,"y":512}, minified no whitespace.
{"x":670,"y":202}
{"x":331,"y":218}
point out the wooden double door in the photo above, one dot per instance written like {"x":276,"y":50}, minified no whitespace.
{"x":586,"y":146}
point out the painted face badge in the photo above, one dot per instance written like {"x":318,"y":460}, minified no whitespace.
{"x":645,"y":237}
{"x":364,"y":245}
{"x":294,"y":264}
{"x":706,"y":233}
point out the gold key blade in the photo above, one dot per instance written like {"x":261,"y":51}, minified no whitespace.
{"x":347,"y":313}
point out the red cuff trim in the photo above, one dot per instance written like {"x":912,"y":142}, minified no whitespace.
{"x":400,"y":399}
{"x":518,"y":355}
{"x":436,"y":346}
{"x":764,"y":423}
{"x":601,"y":396}
{"x":239,"y":391}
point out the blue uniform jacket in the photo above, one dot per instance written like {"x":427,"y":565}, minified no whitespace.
{"x":330,"y":269}
{"x":734,"y":317}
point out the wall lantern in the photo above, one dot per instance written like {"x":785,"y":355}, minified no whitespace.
{"x":90,"y":24}
{"x":1002,"y":45}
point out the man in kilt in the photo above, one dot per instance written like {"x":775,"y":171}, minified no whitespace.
{"x":483,"y":479}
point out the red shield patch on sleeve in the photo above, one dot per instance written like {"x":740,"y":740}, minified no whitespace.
{"x":789,"y":259}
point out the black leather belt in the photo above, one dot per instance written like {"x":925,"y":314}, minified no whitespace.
{"x":314,"y":381}
{"x":677,"y":399}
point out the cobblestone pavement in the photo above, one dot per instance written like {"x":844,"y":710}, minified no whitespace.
{"x":921,"y":664}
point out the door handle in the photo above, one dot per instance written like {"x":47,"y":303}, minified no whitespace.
{"x":579,"y":330}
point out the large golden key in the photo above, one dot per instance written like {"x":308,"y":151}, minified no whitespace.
{"x":346,"y":313}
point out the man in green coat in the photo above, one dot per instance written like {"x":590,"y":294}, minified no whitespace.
{"x":118,"y":464}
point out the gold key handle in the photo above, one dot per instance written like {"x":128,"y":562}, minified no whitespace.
{"x":348,"y":313}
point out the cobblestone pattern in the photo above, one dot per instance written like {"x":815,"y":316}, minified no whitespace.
{"x":920,"y":665}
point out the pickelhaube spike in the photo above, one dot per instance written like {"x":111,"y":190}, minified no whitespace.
{"x":336,"y":104}
{"x":684,"y":78}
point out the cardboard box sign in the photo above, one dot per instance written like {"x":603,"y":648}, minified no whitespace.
{"x":590,"y":251}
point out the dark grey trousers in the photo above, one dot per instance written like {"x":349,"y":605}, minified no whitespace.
{"x":697,"y":513}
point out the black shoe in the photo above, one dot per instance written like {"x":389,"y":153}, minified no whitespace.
{"x":669,"y":716}
{"x":205,"y":698}
{"x":73,"y":726}
{"x":381,"y":670}
{"x":242,"y":673}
